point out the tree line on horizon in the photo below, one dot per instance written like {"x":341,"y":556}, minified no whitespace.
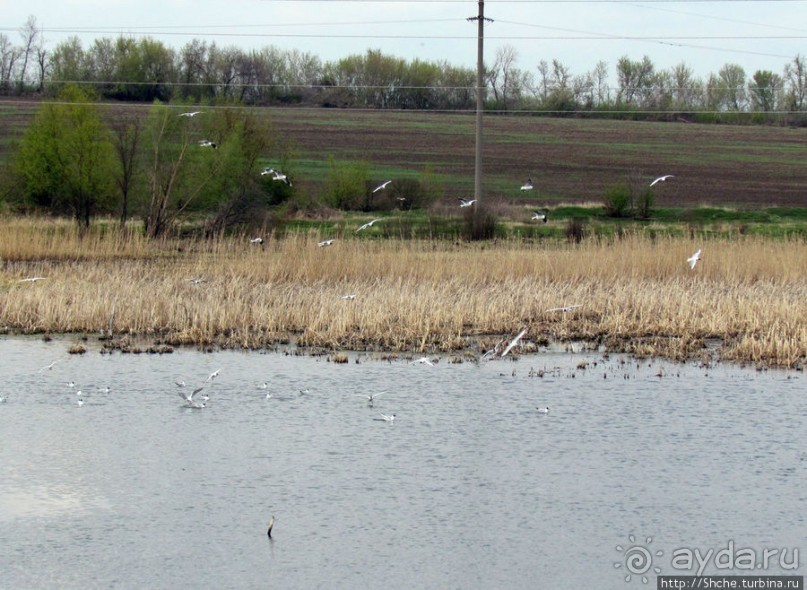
{"x":144,"y":69}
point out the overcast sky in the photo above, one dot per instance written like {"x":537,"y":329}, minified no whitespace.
{"x":704,"y":34}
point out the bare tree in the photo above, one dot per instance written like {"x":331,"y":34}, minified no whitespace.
{"x":796,"y":75}
{"x":9,"y":54}
{"x":599,"y":79}
{"x":503,"y":75}
{"x":543,"y":80}
{"x":30,"y":37}
{"x":126,"y":141}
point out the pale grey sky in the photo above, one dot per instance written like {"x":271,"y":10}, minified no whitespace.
{"x":704,"y":34}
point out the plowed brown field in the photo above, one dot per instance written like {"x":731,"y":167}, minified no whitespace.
{"x":569,"y":160}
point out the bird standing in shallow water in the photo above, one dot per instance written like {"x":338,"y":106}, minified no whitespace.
{"x":269,"y":526}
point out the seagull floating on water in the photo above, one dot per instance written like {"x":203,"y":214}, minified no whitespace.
{"x":466,"y":202}
{"x":543,"y":410}
{"x":189,"y":398}
{"x":324,"y":243}
{"x":527,"y":186}
{"x":390,"y":418}
{"x":382,"y":186}
{"x":371,"y":397}
{"x":423,"y":361}
{"x":693,"y":260}
{"x":661,"y":179}
{"x":368,"y":224}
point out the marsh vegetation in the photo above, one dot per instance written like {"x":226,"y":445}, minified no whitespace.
{"x":745,"y":302}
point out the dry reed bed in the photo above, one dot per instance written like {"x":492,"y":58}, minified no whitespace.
{"x":635,"y":294}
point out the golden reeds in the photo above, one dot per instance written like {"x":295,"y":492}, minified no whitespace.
{"x":635,"y":294}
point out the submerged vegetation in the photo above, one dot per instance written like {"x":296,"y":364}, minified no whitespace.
{"x":746,"y":301}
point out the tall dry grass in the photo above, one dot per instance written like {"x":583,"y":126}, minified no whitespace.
{"x":636,"y":294}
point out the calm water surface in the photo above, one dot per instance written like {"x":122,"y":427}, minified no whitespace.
{"x":469,"y":487}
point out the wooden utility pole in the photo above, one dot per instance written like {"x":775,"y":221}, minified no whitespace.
{"x":480,"y":96}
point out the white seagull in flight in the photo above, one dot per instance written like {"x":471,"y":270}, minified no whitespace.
{"x":48,"y":367}
{"x":256,"y":241}
{"x":189,"y":398}
{"x":661,"y":179}
{"x":324,"y":243}
{"x":514,"y":341}
{"x":693,"y":260}
{"x":466,"y":202}
{"x":539,"y":216}
{"x":212,"y":376}
{"x":190,"y":114}
{"x":382,"y":186}
{"x":32,"y":279}
{"x":527,"y":186}
{"x":368,"y":224}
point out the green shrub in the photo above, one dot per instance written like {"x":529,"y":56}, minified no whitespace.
{"x":347,"y":185}
{"x":618,"y":201}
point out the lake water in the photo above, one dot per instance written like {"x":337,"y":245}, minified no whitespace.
{"x":469,"y":487}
